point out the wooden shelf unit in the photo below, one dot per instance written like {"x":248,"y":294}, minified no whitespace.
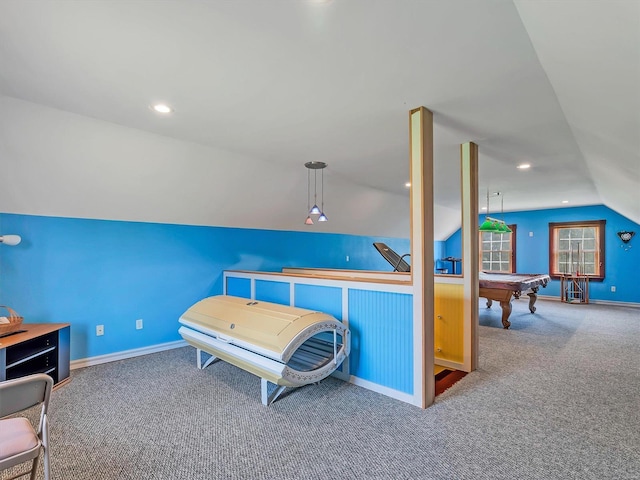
{"x":42,"y":348}
{"x":574,"y":288}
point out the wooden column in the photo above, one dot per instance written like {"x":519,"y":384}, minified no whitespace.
{"x":421,"y":174}
{"x":470,"y":261}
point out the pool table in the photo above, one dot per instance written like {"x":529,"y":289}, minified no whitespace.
{"x":501,"y":286}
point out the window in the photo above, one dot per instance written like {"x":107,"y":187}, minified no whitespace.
{"x":577,"y":248}
{"x":498,"y":251}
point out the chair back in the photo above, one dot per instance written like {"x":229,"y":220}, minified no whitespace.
{"x":396,"y":261}
{"x":25,"y":392}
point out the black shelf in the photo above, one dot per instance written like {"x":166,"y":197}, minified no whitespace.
{"x":42,"y":348}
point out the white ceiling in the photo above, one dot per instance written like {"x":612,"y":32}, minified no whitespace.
{"x":554,"y":84}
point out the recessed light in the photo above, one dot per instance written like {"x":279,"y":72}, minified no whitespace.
{"x":565,"y":201}
{"x":161,"y":108}
{"x":408,"y":184}
{"x":524,"y":166}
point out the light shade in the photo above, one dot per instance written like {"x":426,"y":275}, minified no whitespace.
{"x":315,"y":210}
{"x":323,"y":218}
{"x":493,"y":225}
{"x":489,"y":226}
{"x":502,"y":228}
{"x":10,"y":239}
{"x":308,"y":221}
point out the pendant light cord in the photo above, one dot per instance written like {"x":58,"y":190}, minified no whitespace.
{"x":315,"y":187}
{"x":487,"y":202}
{"x":322,"y":190}
{"x":308,"y":190}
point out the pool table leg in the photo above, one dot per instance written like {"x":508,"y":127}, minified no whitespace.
{"x":533,"y":296}
{"x":499,"y":295}
{"x":506,"y":311}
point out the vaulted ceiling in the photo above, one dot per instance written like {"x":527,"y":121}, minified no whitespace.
{"x":552,"y":84}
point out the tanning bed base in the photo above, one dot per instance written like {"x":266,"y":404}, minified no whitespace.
{"x":284,"y":346}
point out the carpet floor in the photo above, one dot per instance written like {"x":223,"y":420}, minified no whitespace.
{"x":557,"y":396}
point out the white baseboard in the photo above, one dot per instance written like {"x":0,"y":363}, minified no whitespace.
{"x":136,"y":352}
{"x":553,"y":298}
{"x":389,"y":392}
{"x":615,"y":304}
{"x":599,"y":302}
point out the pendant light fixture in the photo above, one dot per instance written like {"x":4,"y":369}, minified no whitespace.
{"x":315,"y":210}
{"x":309,"y":220}
{"x":322,"y":217}
{"x":489,"y":224}
{"x":493,"y":225}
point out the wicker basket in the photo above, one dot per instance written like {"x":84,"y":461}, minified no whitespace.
{"x":15,"y":321}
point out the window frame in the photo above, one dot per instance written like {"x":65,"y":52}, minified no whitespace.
{"x":513,"y":252}
{"x":600,"y":239}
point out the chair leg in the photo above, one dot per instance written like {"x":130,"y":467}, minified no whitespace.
{"x":46,"y":463}
{"x":45,"y":446}
{"x":34,"y":468}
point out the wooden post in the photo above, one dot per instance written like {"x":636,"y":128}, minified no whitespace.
{"x":421,"y":174}
{"x":470,"y":260}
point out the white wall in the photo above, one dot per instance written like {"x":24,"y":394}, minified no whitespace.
{"x":56,"y":163}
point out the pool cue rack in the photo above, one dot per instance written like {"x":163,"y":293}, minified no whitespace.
{"x":574,"y":288}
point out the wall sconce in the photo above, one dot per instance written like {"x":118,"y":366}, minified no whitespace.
{"x":10,"y":239}
{"x":626,"y":238}
{"x":315,"y":210}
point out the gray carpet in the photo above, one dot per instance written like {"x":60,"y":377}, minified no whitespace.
{"x":556,"y":397}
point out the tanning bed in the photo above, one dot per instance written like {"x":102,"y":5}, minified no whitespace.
{"x":285,"y":346}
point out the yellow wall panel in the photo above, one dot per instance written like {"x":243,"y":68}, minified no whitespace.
{"x":448,"y":322}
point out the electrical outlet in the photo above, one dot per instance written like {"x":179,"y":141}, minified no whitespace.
{"x":531,"y":234}
{"x":347,"y":258}
{"x":99,"y":330}
{"x":613,"y":288}
{"x":139,"y":324}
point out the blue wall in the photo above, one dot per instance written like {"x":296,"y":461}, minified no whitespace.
{"x":532,"y":252}
{"x":91,"y":272}
{"x":381,"y":325}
